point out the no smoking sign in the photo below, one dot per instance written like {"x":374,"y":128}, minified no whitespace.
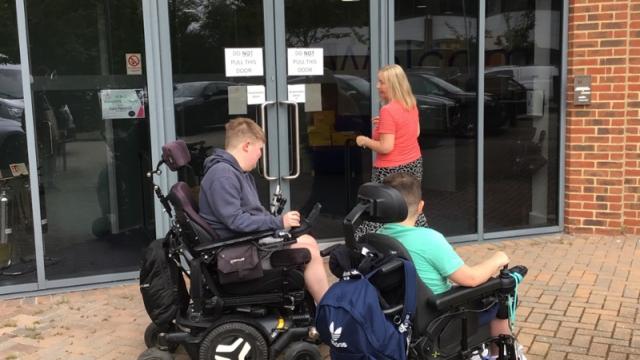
{"x":134,"y":63}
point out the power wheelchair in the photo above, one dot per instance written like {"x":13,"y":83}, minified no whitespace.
{"x":263,"y":316}
{"x":445,"y":326}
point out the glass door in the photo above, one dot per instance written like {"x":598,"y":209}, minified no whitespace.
{"x":205,"y":96}
{"x":328,"y":57}
{"x":313,"y":94}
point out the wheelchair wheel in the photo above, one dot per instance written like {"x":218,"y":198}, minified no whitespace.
{"x":301,"y":350}
{"x":234,"y":340}
{"x":155,"y":354}
{"x":151,"y":338}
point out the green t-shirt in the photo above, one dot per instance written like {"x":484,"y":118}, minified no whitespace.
{"x":434,"y":258}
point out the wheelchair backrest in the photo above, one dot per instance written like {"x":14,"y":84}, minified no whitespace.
{"x":197,"y":230}
{"x":391,"y":285}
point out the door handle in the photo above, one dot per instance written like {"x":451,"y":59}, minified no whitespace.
{"x":296,"y":135}
{"x":51,"y":137}
{"x":266,"y":147}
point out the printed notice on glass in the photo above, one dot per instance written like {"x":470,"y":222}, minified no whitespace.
{"x":243,"y":62}
{"x":255,"y":94}
{"x":122,"y":104}
{"x":296,"y":93}
{"x":305,"y":61}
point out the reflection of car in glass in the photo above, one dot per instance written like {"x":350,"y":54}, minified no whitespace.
{"x":447,"y":108}
{"x":12,"y":135}
{"x":356,"y":88}
{"x":11,"y":102}
{"x":200,"y":105}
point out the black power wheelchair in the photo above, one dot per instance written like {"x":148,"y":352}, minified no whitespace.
{"x":227,"y":312}
{"x":445,"y":326}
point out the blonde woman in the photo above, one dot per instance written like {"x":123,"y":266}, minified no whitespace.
{"x":395,"y":133}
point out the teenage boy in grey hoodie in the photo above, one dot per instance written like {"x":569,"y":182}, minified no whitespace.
{"x":229,"y":199}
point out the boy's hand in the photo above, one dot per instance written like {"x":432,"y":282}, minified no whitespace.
{"x":291,"y":219}
{"x":501,"y":259}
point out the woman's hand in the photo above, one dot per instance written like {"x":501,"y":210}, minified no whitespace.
{"x":375,"y":120}
{"x":362,"y":140}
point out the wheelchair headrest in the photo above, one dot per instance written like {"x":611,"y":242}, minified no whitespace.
{"x":387,"y":204}
{"x":176,"y":154}
{"x":378,"y":203}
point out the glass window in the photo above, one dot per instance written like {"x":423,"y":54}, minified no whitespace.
{"x":436,"y":43}
{"x":17,"y":260}
{"x":92,"y":134}
{"x":522,"y":113}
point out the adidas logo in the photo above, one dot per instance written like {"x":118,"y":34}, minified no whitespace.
{"x":335,"y":336}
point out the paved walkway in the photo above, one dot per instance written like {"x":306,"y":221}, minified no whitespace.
{"x":579,"y":301}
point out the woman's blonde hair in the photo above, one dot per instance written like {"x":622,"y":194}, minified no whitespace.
{"x":398,"y":85}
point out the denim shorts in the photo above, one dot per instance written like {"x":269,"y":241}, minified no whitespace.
{"x":494,"y":312}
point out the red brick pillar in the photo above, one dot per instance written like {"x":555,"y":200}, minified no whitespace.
{"x":602,"y":163}
{"x":631,"y":205}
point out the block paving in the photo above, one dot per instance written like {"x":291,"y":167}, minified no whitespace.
{"x":579,"y":301}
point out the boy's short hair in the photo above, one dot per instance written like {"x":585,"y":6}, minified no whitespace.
{"x":408,"y":185}
{"x":239,"y":129}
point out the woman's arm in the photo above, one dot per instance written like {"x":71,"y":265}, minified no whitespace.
{"x":382,"y":146}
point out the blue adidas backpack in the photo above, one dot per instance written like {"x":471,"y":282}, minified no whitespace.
{"x":350,"y":320}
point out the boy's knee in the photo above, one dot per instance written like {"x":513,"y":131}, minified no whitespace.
{"x":308,"y":242}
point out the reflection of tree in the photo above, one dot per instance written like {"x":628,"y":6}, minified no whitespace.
{"x":305,"y":28}
{"x":9,"y":51}
{"x":518,"y":35}
{"x":64,"y":34}
{"x":201,"y":29}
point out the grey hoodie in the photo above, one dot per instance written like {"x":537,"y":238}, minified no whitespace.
{"x":229,"y":199}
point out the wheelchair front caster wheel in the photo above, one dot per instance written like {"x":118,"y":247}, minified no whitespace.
{"x":234,"y":340}
{"x":301,"y":350}
{"x":155,"y":354}
{"x":151,"y":338}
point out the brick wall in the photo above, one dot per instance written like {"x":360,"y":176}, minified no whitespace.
{"x":602,"y":193}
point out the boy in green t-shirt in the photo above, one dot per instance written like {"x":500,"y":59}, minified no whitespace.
{"x":435,"y":260}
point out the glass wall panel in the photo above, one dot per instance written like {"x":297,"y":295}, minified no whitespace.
{"x":200,"y":31}
{"x":522,"y":113}
{"x":332,"y":166}
{"x":437,"y":43}
{"x":17,"y":261}
{"x":92,"y":134}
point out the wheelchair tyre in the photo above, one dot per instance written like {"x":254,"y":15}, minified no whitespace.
{"x":301,"y":350}
{"x":234,"y":340}
{"x":155,"y":354}
{"x":151,"y":338}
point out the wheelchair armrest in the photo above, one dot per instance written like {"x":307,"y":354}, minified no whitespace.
{"x":248,"y":237}
{"x":461,"y":295}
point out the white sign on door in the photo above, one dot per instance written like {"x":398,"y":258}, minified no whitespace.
{"x":296,"y":93}
{"x":122,"y":103}
{"x":243,"y":62}
{"x":305,"y":61}
{"x":255,"y":94}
